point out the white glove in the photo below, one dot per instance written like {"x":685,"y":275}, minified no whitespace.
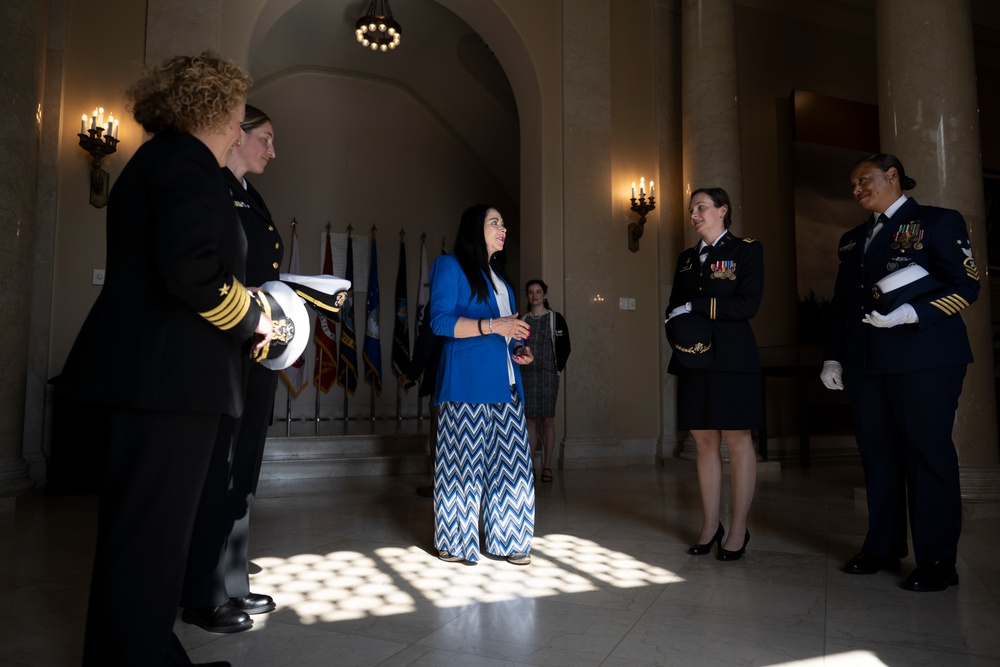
{"x":832,"y":375}
{"x":679,"y":310}
{"x":902,"y":315}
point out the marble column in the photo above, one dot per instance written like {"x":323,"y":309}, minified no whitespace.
{"x":667,"y":59}
{"x":590,"y":427}
{"x":928,"y":117}
{"x":22,"y":50}
{"x":712,"y":155}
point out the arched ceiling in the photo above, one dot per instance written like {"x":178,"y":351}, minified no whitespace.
{"x":441,"y":61}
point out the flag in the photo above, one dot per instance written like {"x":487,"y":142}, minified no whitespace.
{"x":347,"y":362}
{"x":424,"y":289}
{"x":325,"y":335}
{"x":373,"y":346}
{"x":400,"y":332}
{"x":295,"y":376}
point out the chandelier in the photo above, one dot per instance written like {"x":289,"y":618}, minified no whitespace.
{"x":377,"y":30}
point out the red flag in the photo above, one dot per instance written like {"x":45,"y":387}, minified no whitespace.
{"x":325,"y":335}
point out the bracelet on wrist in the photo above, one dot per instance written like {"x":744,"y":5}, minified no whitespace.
{"x":480,"y":325}
{"x":491,"y":325}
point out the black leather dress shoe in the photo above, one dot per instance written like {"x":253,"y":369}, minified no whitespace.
{"x":862,"y":563}
{"x":254,"y":603}
{"x":702,"y":549}
{"x":226,"y":618}
{"x":934,"y":577}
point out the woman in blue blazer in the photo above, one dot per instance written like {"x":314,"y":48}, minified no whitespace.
{"x":482,"y":461}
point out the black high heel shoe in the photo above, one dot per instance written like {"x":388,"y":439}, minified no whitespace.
{"x":703,"y":549}
{"x":726,"y":554}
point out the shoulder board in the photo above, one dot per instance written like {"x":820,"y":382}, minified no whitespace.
{"x":749,"y":240}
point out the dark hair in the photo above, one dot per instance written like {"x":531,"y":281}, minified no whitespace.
{"x":885,"y":162}
{"x":720,"y":198}
{"x":253,"y":118}
{"x":471,"y":253}
{"x":540,"y":283}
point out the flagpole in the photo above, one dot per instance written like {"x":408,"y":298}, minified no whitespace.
{"x":372,"y":344}
{"x":417,"y":324}
{"x":371,"y":409}
{"x":318,"y":375}
{"x":399,"y":396}
{"x":347,"y":359}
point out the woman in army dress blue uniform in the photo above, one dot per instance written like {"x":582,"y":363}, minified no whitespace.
{"x":721,"y":279}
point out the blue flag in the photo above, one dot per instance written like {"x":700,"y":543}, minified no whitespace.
{"x":373,"y":346}
{"x":347,"y":362}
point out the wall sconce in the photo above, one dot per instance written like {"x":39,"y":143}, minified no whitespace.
{"x":642,"y":209}
{"x":100,"y":139}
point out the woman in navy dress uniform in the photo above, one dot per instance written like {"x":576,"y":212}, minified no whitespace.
{"x":721,"y":280}
{"x":217,"y":593}
{"x":162,"y":351}
{"x":903,"y":371}
{"x":482,"y":461}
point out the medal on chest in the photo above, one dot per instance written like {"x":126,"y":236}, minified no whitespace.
{"x":723,"y":270}
{"x":908,"y":236}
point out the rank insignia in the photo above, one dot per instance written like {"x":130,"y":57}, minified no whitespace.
{"x":724,"y":269}
{"x":240,"y":204}
{"x":847,"y":248}
{"x":908,"y":236}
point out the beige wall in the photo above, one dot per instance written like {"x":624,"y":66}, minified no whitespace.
{"x":315,"y":177}
{"x":96,"y":73}
{"x":634,"y":155}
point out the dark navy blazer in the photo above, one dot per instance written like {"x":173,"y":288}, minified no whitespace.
{"x":934,"y":238}
{"x":166,"y":330}
{"x":472,"y":370}
{"x":727,"y":290}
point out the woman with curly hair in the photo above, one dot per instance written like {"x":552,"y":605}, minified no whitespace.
{"x":160,"y":352}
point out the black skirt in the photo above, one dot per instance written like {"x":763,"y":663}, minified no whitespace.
{"x":709,"y":400}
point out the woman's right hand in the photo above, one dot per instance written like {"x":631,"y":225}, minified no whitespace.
{"x":263,"y":333}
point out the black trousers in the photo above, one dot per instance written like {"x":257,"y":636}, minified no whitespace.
{"x":903,"y":423}
{"x":217,"y":567}
{"x":155,"y":470}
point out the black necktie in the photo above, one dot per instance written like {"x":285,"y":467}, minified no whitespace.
{"x":880,"y":220}
{"x":703,"y":253}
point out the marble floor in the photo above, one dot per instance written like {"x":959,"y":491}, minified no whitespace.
{"x":348,"y":561}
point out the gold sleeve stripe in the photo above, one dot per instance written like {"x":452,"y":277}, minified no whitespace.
{"x":232,"y":310}
{"x":950,"y":304}
{"x":711,"y":309}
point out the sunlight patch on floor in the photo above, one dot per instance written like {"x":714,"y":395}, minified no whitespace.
{"x":345,"y":585}
{"x":849,"y":659}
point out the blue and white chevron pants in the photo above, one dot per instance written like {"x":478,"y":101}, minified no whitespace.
{"x":483,"y":459}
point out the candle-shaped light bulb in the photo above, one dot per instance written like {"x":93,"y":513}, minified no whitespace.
{"x":83,"y":124}
{"x":633,"y":189}
{"x":116,"y":128}
{"x":93,"y":119}
{"x":642,"y":187}
{"x":651,"y":189}
{"x":100,"y":116}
